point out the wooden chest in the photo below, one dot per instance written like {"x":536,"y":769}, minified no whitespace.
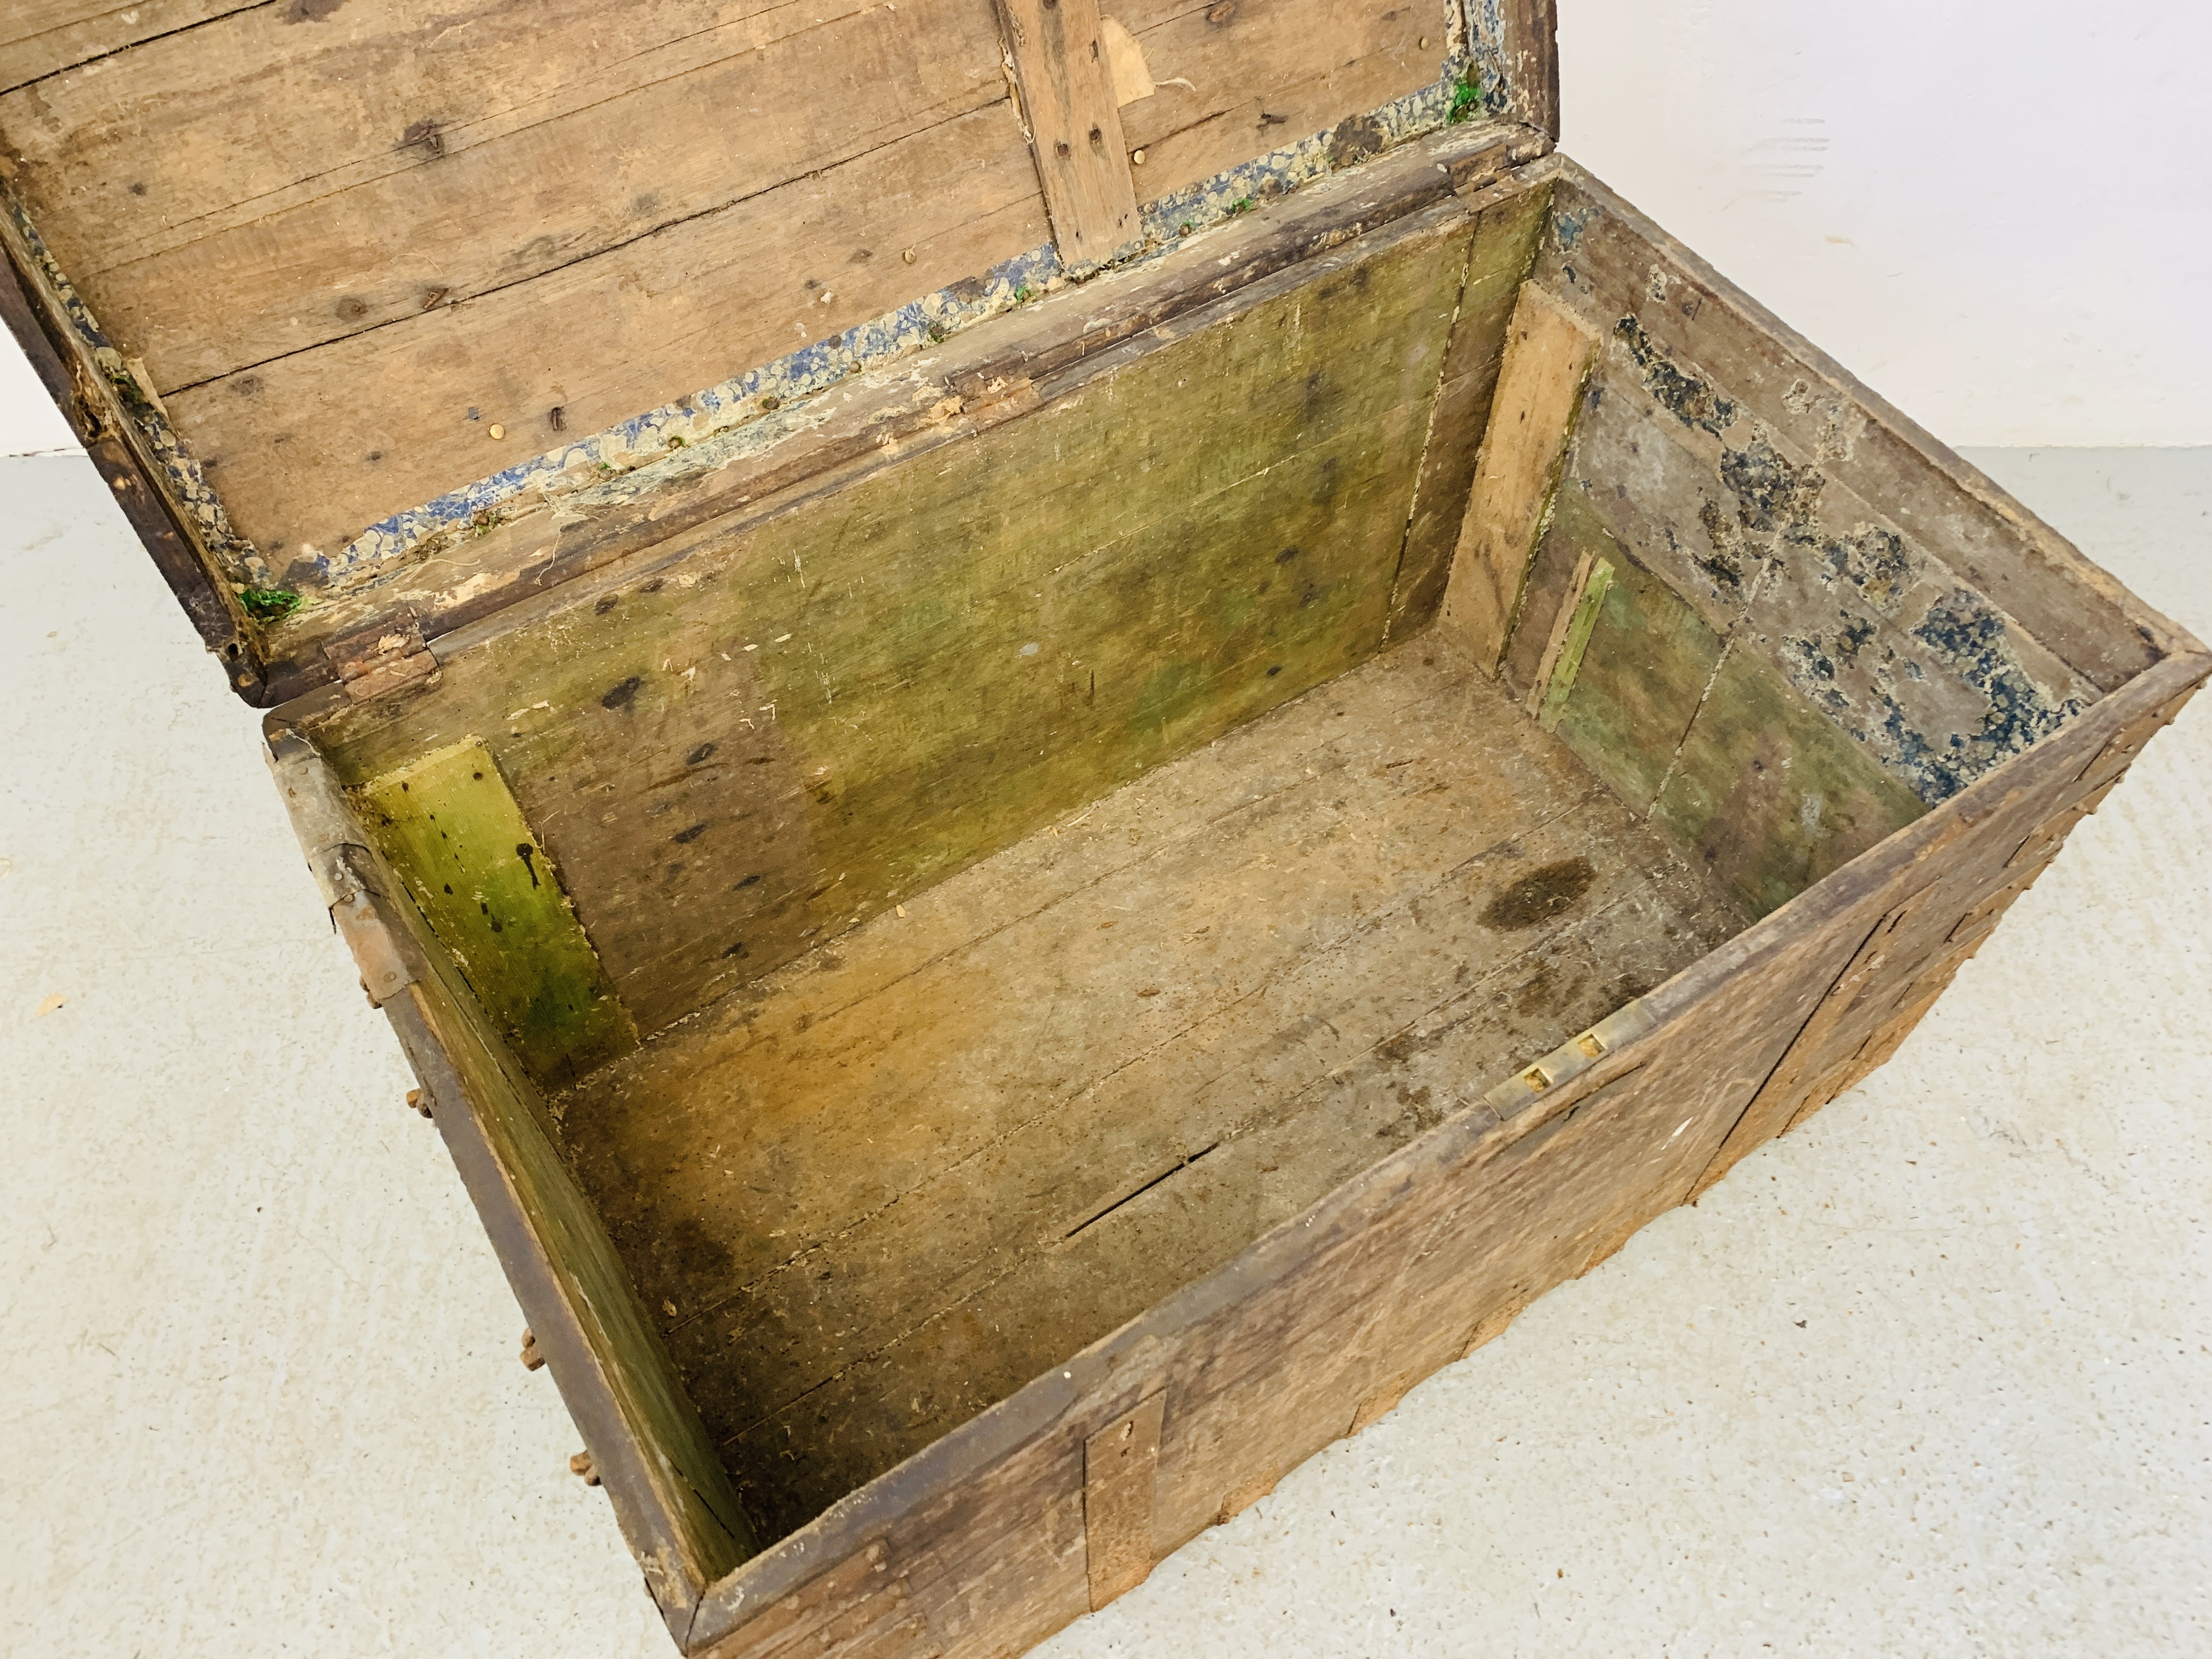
{"x":1064,"y":740}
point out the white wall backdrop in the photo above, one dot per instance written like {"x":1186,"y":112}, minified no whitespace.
{"x":1999,"y":215}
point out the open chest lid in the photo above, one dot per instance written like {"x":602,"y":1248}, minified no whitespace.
{"x":334,"y":291}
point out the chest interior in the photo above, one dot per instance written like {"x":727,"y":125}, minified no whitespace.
{"x":937,"y":841}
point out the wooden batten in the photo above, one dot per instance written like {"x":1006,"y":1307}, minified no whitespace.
{"x":1548,"y":354}
{"x":1069,"y":101}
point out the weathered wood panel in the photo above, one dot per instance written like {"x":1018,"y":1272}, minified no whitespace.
{"x":1091,"y":1069}
{"x":852,"y":702}
{"x":1623,"y":265}
{"x":93,"y":406}
{"x":1982,"y":860}
{"x":449,"y":824}
{"x":311,"y":448}
{"x":1509,"y":219}
{"x":504,"y":135}
{"x":590,"y":237}
{"x":1237,"y":79}
{"x":1934,"y":682}
{"x":1121,"y":1469}
{"x":40,"y":37}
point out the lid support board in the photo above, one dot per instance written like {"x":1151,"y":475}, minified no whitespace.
{"x":1529,"y":32}
{"x":1074,"y":120}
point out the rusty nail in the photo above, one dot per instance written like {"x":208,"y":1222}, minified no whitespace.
{"x":419,"y":1101}
{"x":532,"y":1359}
{"x":580,"y":1464}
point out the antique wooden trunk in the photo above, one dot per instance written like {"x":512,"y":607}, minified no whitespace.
{"x":1063,"y":739}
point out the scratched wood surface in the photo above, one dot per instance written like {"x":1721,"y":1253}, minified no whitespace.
{"x":1234,"y":80}
{"x":811,"y":720}
{"x":884,"y":1188}
{"x":1433,"y":1250}
{"x":589,"y":231}
{"x":372,"y":252}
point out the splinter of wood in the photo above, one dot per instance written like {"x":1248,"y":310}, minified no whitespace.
{"x":1548,"y":354}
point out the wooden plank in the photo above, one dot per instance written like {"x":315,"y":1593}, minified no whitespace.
{"x":1120,"y":1466}
{"x":494,"y":899}
{"x":1529,"y":52}
{"x":1547,"y":357}
{"x":1236,"y":80}
{"x":1509,"y":219}
{"x":312,"y":448}
{"x":1069,"y":101}
{"x":510,"y":142}
{"x":1573,"y":638}
{"x":1769,"y":793}
{"x":41,"y":38}
{"x":889,"y":728}
{"x":1643,"y":674}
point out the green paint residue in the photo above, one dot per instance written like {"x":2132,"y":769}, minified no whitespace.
{"x":268,"y":604}
{"x":1769,"y":794}
{"x":1467,"y":97}
{"x":1643,"y":674}
{"x":1577,"y":641}
{"x":449,"y":825}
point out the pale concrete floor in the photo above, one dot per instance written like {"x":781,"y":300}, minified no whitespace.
{"x":1934,"y":1376}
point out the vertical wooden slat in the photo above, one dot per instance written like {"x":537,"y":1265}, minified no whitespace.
{"x":1075,"y":126}
{"x":1548,"y":354}
{"x":1530,"y":51}
{"x":1121,"y":1465}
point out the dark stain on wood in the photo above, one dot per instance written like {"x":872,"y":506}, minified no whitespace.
{"x":1537,"y":897}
